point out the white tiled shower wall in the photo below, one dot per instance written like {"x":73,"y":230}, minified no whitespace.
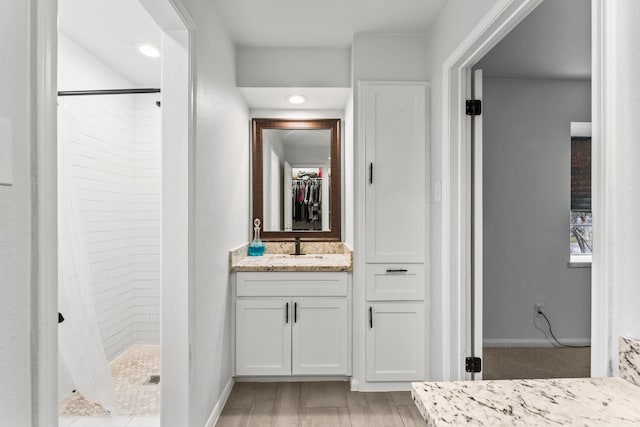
{"x":116,"y":156}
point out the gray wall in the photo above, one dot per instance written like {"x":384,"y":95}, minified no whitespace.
{"x":526,"y":210}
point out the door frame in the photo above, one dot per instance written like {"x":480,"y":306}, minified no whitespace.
{"x":477,"y":224}
{"x":457,"y":185}
{"x":44,"y":252}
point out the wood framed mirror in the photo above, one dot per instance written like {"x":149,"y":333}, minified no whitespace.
{"x":297,"y":179}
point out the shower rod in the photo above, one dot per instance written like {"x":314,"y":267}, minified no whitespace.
{"x":107,"y":92}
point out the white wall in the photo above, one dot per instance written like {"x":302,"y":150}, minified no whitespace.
{"x":402,"y":57}
{"x":309,"y":155}
{"x":348,"y":169}
{"x":621,"y":202}
{"x":146,"y":213}
{"x":114,"y":145}
{"x":293,"y":67}
{"x":221,"y":206}
{"x":15,"y":220}
{"x":527,"y":184}
{"x":273,"y":172}
{"x":454,"y":24}
{"x":177,"y":286}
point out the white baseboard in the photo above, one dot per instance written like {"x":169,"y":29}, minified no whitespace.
{"x":355,"y":385}
{"x":217,"y":410}
{"x":533,"y":342}
{"x":289,"y":378}
{"x":383,"y":386}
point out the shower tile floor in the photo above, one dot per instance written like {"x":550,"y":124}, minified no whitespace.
{"x":100,"y":421}
{"x":137,"y":401}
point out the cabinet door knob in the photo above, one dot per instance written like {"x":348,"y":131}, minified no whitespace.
{"x":370,"y":317}
{"x":286,"y":310}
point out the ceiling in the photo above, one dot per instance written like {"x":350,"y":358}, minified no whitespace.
{"x":554,"y":41}
{"x":318,"y":98}
{"x":110,"y":30}
{"x":328,"y":23}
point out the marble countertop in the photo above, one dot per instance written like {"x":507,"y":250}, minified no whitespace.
{"x":544,"y":402}
{"x":318,"y":256}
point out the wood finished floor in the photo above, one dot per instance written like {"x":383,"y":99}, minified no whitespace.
{"x":315,"y":404}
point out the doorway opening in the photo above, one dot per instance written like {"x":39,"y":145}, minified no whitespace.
{"x":532,"y":300}
{"x":124,"y":126}
{"x":459,"y":271}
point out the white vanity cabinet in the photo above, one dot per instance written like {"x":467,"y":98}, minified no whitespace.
{"x":292,"y":323}
{"x":395,"y":198}
{"x":263,"y":336}
{"x":320,"y":337}
{"x":395,"y":341}
{"x":395,"y":141}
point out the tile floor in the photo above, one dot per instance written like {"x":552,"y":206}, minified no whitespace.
{"x":118,"y":421}
{"x":139,"y":402}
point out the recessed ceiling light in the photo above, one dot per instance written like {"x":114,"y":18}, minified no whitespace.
{"x":149,"y":50}
{"x":297,"y":99}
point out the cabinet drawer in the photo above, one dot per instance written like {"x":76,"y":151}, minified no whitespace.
{"x":293,"y":284}
{"x":395,"y":282}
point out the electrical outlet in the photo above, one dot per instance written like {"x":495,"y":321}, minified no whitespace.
{"x":538,"y":307}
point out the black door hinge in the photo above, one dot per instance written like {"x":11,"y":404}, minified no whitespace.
{"x":474,"y":107}
{"x":473,"y":364}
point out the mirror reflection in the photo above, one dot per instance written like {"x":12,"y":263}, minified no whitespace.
{"x":296,"y":178}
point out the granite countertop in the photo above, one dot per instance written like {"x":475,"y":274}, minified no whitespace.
{"x":319,"y":256}
{"x":567,"y":401}
{"x":544,"y":402}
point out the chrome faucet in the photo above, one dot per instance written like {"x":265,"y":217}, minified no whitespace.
{"x":298,"y":246}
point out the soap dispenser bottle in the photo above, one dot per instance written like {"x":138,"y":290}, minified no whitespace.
{"x":256,"y":247}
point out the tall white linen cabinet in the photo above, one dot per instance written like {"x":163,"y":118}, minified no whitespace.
{"x":394,"y":128}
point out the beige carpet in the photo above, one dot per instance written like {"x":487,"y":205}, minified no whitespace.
{"x":130,"y":371}
{"x":502,"y":363}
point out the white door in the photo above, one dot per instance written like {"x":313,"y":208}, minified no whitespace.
{"x":395,"y":139}
{"x":477,"y":260}
{"x":320,"y":337}
{"x":263,"y":336}
{"x":288,"y":198}
{"x":395,"y":342}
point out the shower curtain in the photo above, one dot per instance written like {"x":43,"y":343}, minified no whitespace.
{"x":79,"y":339}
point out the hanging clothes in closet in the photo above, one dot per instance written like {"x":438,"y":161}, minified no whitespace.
{"x":306,"y":199}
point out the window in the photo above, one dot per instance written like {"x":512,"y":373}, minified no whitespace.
{"x":580,"y":219}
